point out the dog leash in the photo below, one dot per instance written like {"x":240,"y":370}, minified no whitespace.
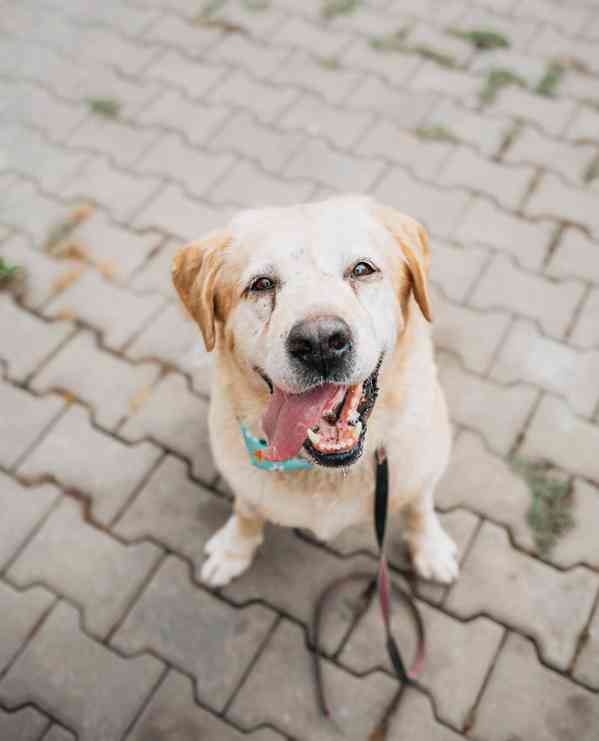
{"x":382,"y":584}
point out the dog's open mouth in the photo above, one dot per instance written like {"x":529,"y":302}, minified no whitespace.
{"x":328,"y":422}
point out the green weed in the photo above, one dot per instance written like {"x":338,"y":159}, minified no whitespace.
{"x":482,"y":39}
{"x":106,"y":107}
{"x":496,"y":79}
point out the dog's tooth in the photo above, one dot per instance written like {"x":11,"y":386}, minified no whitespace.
{"x":313,"y":437}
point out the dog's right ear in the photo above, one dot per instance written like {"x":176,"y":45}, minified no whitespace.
{"x":196,"y":269}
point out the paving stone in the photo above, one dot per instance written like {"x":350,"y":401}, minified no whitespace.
{"x":120,"y":193}
{"x":529,"y":68}
{"x":60,"y":671}
{"x":575,"y":257}
{"x":415,"y":718}
{"x":526,"y":700}
{"x":586,"y":329}
{"x":176,"y":511}
{"x":239,"y":51}
{"x":173,"y":713}
{"x":172,"y":211}
{"x":21,"y":613}
{"x":437,"y":209}
{"x":586,"y":669}
{"x":553,"y":41}
{"x":196,"y":171}
{"x":474,"y":336}
{"x":242,"y":135}
{"x":178,"y":420}
{"x":266,"y":102}
{"x":87,"y":566}
{"x":531,"y":147}
{"x":518,"y":31}
{"x":155,"y":276}
{"x":298,"y":33}
{"x":549,"y":605}
{"x":173,"y":68}
{"x":485,"y":224}
{"x":23,"y":208}
{"x":173,"y":339}
{"x":406,"y":108}
{"x":24,"y":419}
{"x":426,"y":36}
{"x":570,"y":20}
{"x":554,"y":423}
{"x":303,"y":72}
{"x":431,"y":77}
{"x":197,"y":632}
{"x":553,"y":199}
{"x":454,"y":649}
{"x":172,"y":31}
{"x":79,"y":456}
{"x":530,"y":357}
{"x":466,"y":169}
{"x":550,"y":302}
{"x":26,"y":340}
{"x":317,"y":161}
{"x":129,"y":22}
{"x":455,"y":268}
{"x":120,"y":143}
{"x":585,"y":125}
{"x":397,"y":69}
{"x":102,"y":45}
{"x":551,"y":115}
{"x":245,"y":186}
{"x":22,"y":725}
{"x":284,"y":673}
{"x":57,"y":733}
{"x":389,"y":142}
{"x":23,"y":509}
{"x":108,"y":308}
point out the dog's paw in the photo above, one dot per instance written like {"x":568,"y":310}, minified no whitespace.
{"x":434,"y":555}
{"x":229,"y":555}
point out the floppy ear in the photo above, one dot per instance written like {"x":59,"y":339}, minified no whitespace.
{"x":413,"y":242}
{"x":195,"y":269}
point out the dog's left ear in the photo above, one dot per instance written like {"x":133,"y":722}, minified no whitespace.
{"x":413,"y":242}
{"x":195,"y":271}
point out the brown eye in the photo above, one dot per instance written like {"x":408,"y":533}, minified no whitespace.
{"x":262,"y":284}
{"x":361,"y":270}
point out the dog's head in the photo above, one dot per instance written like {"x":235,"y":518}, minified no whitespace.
{"x":308,"y":300}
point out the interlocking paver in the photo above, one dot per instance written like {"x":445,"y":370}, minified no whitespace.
{"x":586,"y":668}
{"x":435,"y":79}
{"x":266,"y":102}
{"x":24,"y":419}
{"x":455,"y":268}
{"x":551,"y":302}
{"x":178,"y":420}
{"x":154,"y":277}
{"x":174,"y":69}
{"x":585,"y":332}
{"x":552,"y":41}
{"x":23,"y":510}
{"x":518,"y":31}
{"x":298,"y":33}
{"x":27,"y":340}
{"x":585,"y":125}
{"x":121,"y":144}
{"x":554,"y":199}
{"x":454,"y":649}
{"x":78,"y":561}
{"x":525,"y":700}
{"x":173,"y":710}
{"x":79,"y":456}
{"x":262,"y":60}
{"x":22,"y":725}
{"x":172,"y":31}
{"x":79,"y":681}
{"x":246,"y":186}
{"x":575,"y":257}
{"x":396,"y":69}
{"x":549,"y":114}
{"x":57,"y":733}
{"x":406,"y":108}
{"x":177,"y":621}
{"x":21,"y":613}
{"x":24,"y":208}
{"x":283,"y":672}
{"x":549,"y":605}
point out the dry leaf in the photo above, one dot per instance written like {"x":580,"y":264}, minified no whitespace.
{"x":68,"y":397}
{"x":139,"y":398}
{"x":72,"y":250}
{"x":63,"y":281}
{"x":81,"y":213}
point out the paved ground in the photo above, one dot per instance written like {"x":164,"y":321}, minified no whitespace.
{"x":168,"y":121}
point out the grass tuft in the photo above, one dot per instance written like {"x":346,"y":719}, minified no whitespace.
{"x":550,"y":513}
{"x":551,"y":79}
{"x":496,"y":79}
{"x":330,"y":63}
{"x":211,"y":7}
{"x":7,"y":271}
{"x":332,"y":8}
{"x":481,"y":38}
{"x":106,"y":107}
{"x":435,"y":133}
{"x":394,"y":41}
{"x":439,"y":57}
{"x":592,"y":171}
{"x":256,"y":6}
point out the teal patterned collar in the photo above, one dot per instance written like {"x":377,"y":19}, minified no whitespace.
{"x":256,"y":445}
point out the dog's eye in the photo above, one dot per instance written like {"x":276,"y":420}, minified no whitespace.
{"x":262,"y":284}
{"x":361,"y":270}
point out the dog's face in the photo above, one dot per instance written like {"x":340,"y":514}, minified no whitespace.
{"x":310,"y":299}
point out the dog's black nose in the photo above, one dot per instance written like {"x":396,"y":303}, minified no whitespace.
{"x":321,"y":344}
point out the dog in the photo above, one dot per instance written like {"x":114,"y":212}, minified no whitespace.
{"x":319,"y":317}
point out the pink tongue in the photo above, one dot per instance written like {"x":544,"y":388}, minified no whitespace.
{"x":289,"y":416}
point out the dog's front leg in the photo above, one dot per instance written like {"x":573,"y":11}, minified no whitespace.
{"x":231,"y":550}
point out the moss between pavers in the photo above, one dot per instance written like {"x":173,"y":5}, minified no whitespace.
{"x":481,"y":38}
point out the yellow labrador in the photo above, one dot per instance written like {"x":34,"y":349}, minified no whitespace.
{"x":319,"y":318}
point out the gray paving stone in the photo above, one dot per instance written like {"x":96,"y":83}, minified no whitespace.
{"x":57,"y":733}
{"x":23,"y":420}
{"x":456,"y":268}
{"x":22,"y":725}
{"x":454,"y":649}
{"x":23,"y":208}
{"x":154,"y":276}
{"x":238,"y":50}
{"x":556,"y":200}
{"x":550,"y":302}
{"x":497,"y":412}
{"x":575,"y":257}
{"x":415,"y":718}
{"x":280,"y":691}
{"x":553,"y":41}
{"x":23,"y":508}
{"x":396,"y":69}
{"x":120,"y":143}
{"x":27,"y":340}
{"x":485,"y":224}
{"x":102,"y":45}
{"x":177,"y":71}
{"x":79,"y":681}
{"x":551,"y":115}
{"x":570,"y":20}
{"x":176,"y":419}
{"x":298,"y":33}
{"x":473,"y":335}
{"x":266,"y":102}
{"x":530,"y":69}
{"x":549,"y":605}
{"x":173,"y":713}
{"x":175,"y":340}
{"x":89,"y":567}
{"x":427,"y":36}
{"x":584,"y":126}
{"x":586,"y":329}
{"x":245,"y":187}
{"x":172,"y":31}
{"x":558,"y":435}
{"x":433,"y":78}
{"x":586,"y":669}
{"x":405,"y":107}
{"x":525,"y":700}
{"x":195,"y":631}
{"x":518,"y":31}
{"x":21,"y":613}
{"x":530,"y":357}
{"x":79,"y":456}
{"x":105,"y":306}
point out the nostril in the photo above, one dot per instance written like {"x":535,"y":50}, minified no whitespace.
{"x":300,"y":347}
{"x":339,"y":341}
